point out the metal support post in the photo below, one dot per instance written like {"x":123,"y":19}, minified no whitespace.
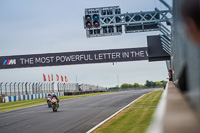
{"x":15,"y":88}
{"x":10,"y":88}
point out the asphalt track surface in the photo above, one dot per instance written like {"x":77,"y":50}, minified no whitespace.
{"x":73,"y":116}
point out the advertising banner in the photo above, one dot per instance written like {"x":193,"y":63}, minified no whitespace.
{"x":71,"y":58}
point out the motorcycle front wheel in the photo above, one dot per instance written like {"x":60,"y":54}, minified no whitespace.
{"x":53,"y":107}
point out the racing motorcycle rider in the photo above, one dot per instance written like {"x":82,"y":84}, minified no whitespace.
{"x":48,"y":96}
{"x":56,"y":98}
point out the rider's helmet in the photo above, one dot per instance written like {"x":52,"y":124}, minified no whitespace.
{"x":49,"y":94}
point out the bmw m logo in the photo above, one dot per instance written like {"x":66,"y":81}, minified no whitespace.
{"x":9,"y":62}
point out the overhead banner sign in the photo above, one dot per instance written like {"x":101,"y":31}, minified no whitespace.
{"x":70,"y":58}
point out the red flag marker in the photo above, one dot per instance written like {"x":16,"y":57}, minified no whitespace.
{"x":44,"y":77}
{"x":57,"y":77}
{"x":66,"y":80}
{"x":51,"y":77}
{"x":61,"y":78}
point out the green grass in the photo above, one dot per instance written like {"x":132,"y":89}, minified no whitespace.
{"x":29,"y":103}
{"x":134,"y":119}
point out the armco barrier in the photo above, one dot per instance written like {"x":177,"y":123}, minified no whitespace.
{"x":29,"y":97}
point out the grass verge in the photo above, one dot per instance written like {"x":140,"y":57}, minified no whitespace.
{"x":29,"y":103}
{"x":134,"y":119}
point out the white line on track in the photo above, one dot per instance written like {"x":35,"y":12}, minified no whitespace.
{"x":101,"y":123}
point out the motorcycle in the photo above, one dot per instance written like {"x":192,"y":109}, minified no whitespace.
{"x":54,"y":104}
{"x":49,"y":102}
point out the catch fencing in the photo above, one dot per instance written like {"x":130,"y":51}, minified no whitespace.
{"x":26,"y":88}
{"x":17,"y":91}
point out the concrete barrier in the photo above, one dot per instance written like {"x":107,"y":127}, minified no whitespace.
{"x":174,"y":113}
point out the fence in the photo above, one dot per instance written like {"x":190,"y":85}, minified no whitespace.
{"x":25,"y":88}
{"x":21,"y":88}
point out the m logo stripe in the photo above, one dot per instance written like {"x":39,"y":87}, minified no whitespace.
{"x":8,"y":62}
{"x":5,"y":62}
{"x":12,"y":62}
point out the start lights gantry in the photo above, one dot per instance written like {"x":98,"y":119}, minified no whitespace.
{"x":108,"y":21}
{"x":96,"y":18}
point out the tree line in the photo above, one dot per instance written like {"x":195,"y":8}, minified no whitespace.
{"x":148,"y":84}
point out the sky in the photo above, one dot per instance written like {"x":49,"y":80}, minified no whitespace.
{"x":54,"y":26}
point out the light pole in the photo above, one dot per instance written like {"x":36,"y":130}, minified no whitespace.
{"x":118,"y":80}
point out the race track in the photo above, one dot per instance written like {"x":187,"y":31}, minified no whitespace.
{"x":74,"y":116}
